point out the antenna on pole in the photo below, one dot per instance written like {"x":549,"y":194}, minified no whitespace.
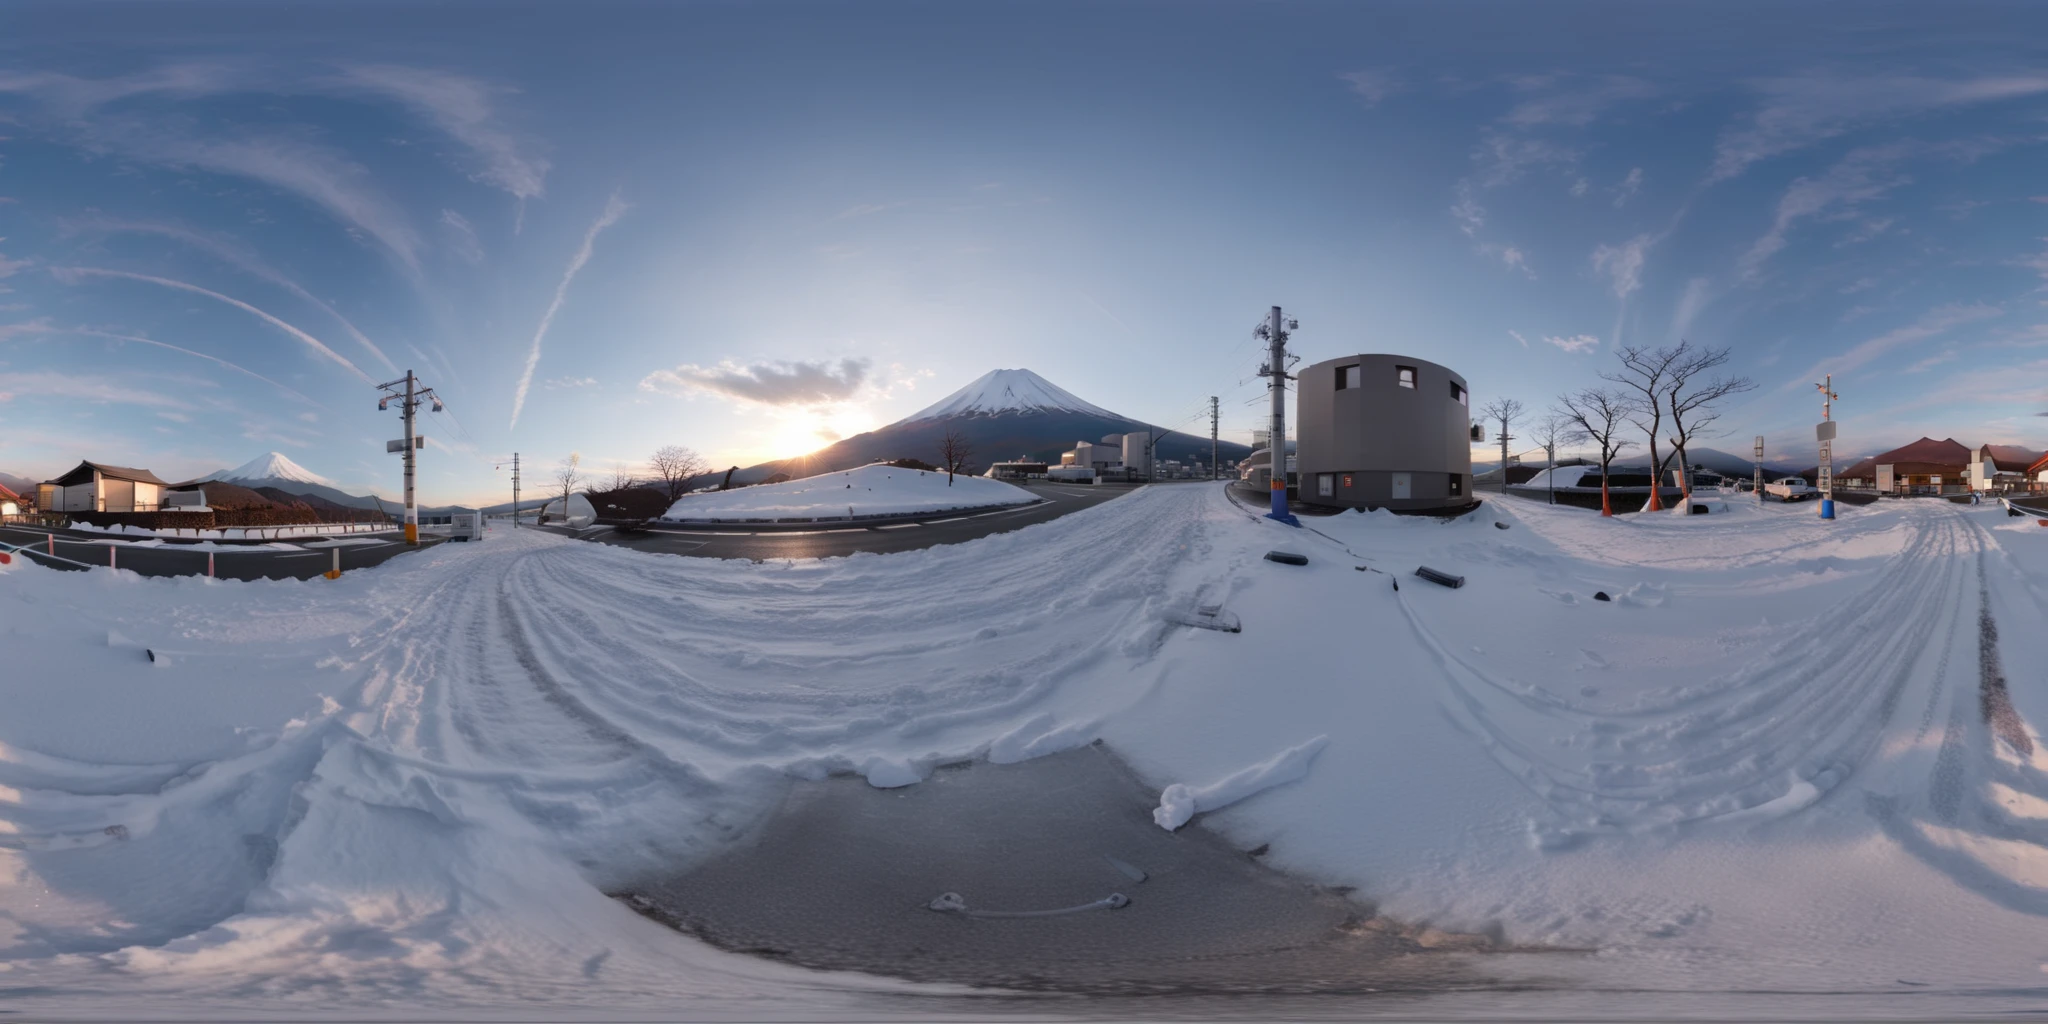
{"x":1826,"y":433}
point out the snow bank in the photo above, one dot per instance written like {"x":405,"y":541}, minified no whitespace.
{"x":1179,"y":802}
{"x":876,"y":490}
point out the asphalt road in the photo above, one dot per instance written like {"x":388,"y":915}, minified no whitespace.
{"x":830,"y":542}
{"x":232,"y":563}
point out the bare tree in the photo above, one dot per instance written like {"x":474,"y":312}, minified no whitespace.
{"x":1647,"y":372}
{"x":1503,"y":411}
{"x":1555,"y":428}
{"x":954,"y":451}
{"x":676,"y":466}
{"x":1692,"y":399}
{"x":1596,"y":415}
{"x":619,"y":480}
{"x":568,"y":474}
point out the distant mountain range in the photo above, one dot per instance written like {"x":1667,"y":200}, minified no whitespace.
{"x":1003,"y":415}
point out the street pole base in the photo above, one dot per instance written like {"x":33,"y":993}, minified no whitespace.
{"x":412,"y":533}
{"x":1827,"y":508}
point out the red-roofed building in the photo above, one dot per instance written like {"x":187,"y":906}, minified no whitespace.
{"x":10,"y":502}
{"x":1926,"y":466}
{"x":2002,"y":467}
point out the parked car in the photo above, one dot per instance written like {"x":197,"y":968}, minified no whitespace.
{"x":1791,"y":488}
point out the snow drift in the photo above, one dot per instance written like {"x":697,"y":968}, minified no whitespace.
{"x":876,"y":490}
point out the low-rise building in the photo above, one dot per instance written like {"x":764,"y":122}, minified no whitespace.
{"x":2001,"y":467}
{"x":96,"y":487}
{"x":1384,"y":431}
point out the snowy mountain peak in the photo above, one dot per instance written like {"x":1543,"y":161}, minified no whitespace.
{"x":271,"y":466}
{"x":1005,"y":391}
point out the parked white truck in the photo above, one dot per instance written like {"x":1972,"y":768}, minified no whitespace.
{"x":1791,"y":488}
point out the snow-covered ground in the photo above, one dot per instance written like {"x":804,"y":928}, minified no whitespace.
{"x":877,"y":490}
{"x":1762,"y":767}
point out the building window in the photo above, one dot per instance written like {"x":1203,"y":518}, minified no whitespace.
{"x":1457,"y":483}
{"x":1347,"y":377}
{"x":1458,"y":394}
{"x":1406,"y":375}
{"x":1324,"y":484}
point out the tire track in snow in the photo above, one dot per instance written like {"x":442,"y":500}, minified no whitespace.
{"x":1757,"y":742}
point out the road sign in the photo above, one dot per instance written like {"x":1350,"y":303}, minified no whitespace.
{"x":1824,"y":430}
{"x":393,"y":447}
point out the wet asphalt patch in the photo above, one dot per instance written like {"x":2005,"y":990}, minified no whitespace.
{"x":1047,"y":875}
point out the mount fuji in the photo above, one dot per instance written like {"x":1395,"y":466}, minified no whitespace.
{"x":1004,"y":414}
{"x":267,"y":468}
{"x":272,"y":471}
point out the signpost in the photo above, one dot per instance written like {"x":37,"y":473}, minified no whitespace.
{"x":1825,"y":431}
{"x":1759,"y":481}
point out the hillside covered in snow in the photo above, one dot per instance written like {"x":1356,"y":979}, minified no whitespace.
{"x":877,"y":490}
{"x":1700,"y":756}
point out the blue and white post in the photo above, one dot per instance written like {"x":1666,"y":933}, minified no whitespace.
{"x":1825,"y":431}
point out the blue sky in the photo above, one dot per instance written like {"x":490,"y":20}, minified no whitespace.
{"x":751,"y":228}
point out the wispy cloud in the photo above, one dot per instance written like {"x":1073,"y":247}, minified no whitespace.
{"x":1575,"y":100}
{"x":462,"y":107}
{"x":560,"y":383}
{"x":1576,"y":344}
{"x":1623,"y":263}
{"x":135,"y":339}
{"x":1690,"y":304}
{"x":465,"y":241}
{"x":1469,"y":214}
{"x":1509,"y":255}
{"x":235,"y":256}
{"x":1628,"y":188}
{"x":1934,"y":323}
{"x":771,"y":383}
{"x":2038,"y":263}
{"x":1517,"y":335}
{"x":613,"y":208}
{"x":290,"y":163}
{"x":1799,"y":111}
{"x":1503,"y":158}
{"x":70,"y":275}
{"x":91,"y":387}
{"x":1861,"y":175}
{"x":1373,"y":86}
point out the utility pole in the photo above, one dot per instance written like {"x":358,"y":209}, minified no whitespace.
{"x":1214,"y":473}
{"x":1826,"y":432}
{"x":1505,"y":437}
{"x":515,"y":488}
{"x":1274,"y":331}
{"x":409,"y":401}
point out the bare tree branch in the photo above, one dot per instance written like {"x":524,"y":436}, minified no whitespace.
{"x":568,"y":474}
{"x":1692,"y":399}
{"x":954,"y":451}
{"x":676,"y":465}
{"x":1647,"y":373}
{"x":1596,"y":415}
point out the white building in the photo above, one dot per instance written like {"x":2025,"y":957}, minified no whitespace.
{"x":93,"y":487}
